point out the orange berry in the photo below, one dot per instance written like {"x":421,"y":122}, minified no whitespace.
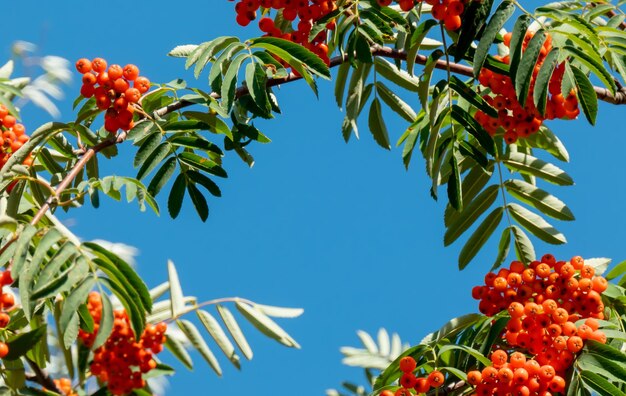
{"x":4,"y":350}
{"x":98,"y":65}
{"x":407,"y":364}
{"x":83,"y":65}
{"x":131,"y":72}
{"x":142,"y":84}
{"x":436,"y":379}
{"x":115,"y":72}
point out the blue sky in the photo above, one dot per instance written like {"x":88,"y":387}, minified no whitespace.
{"x":341,"y":230}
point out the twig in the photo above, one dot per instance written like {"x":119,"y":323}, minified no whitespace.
{"x":41,"y":377}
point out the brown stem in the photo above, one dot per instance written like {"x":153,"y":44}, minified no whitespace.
{"x":446,"y":390}
{"x":41,"y":377}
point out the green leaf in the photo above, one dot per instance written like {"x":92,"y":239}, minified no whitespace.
{"x":585,"y":92}
{"x":539,"y":199}
{"x":471,"y":351}
{"x":162,"y":176}
{"x":176,"y":292}
{"x":131,"y":281}
{"x":154,"y":159}
{"x":536,"y":224}
{"x":21,"y":249}
{"x":212,"y":122}
{"x":599,"y":384}
{"x":417,"y":37}
{"x":202,"y":163}
{"x":480,"y":236}
{"x":204,"y":181}
{"x":451,"y":328}
{"x":256,"y":80}
{"x":229,"y":85}
{"x":594,"y":65}
{"x":472,"y":97}
{"x":340,"y":83}
{"x":265,"y":325}
{"x":199,"y":202}
{"x":527,"y":64}
{"x":182,"y":51}
{"x":289,"y":52}
{"x":455,"y":192}
{"x":70,"y":306}
{"x":193,"y":335}
{"x":397,"y":76}
{"x":178,"y":350}
{"x":30,"y":269}
{"x":235,"y":331}
{"x":473,"y":183}
{"x":617,"y":271}
{"x":474,"y":128}
{"x":497,"y":21}
{"x":545,"y":139}
{"x":24,"y":342}
{"x":524,"y":249}
{"x":542,"y":81}
{"x":517,"y":40}
{"x":607,"y":351}
{"x":377,"y":125}
{"x":473,"y":22}
{"x":106,"y":321}
{"x":215,"y":330}
{"x":177,"y":194}
{"x":146,"y":148}
{"x":394,"y":102}
{"x":598,"y":364}
{"x":503,"y":247}
{"x":470,"y":214}
{"x":209,"y":51}
{"x":529,"y":165}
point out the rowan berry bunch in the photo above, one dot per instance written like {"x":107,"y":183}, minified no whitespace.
{"x":447,"y":11}
{"x":122,"y":361}
{"x":301,"y":15}
{"x":65,"y":386}
{"x":516,"y":120}
{"x":408,"y":381}
{"x":7,"y":301}
{"x":112,"y":90}
{"x":12,"y":138}
{"x":544,"y":301}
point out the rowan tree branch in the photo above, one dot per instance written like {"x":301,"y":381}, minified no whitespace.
{"x":603,"y":94}
{"x":41,"y":377}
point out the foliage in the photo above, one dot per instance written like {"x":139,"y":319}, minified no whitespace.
{"x":476,"y":119}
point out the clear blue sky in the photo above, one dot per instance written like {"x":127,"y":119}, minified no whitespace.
{"x":341,"y":230}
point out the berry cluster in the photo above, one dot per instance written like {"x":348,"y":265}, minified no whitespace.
{"x":521,"y":121}
{"x":122,"y":360}
{"x":12,"y":138}
{"x":65,"y":386}
{"x":112,"y":89}
{"x":410,"y":381}
{"x":544,"y":301}
{"x":306,"y":12}
{"x":7,"y":301}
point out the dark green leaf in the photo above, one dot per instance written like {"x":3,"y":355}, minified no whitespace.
{"x":530,"y":165}
{"x":536,"y":224}
{"x":542,"y":82}
{"x":480,"y":236}
{"x":471,"y":213}
{"x":24,"y":342}
{"x":162,"y":176}
{"x":497,"y":21}
{"x":377,"y":125}
{"x":517,"y":40}
{"x":472,"y":97}
{"x":526,"y":67}
{"x":474,"y":128}
{"x":585,"y":92}
{"x":177,"y":194}
{"x":523,"y":246}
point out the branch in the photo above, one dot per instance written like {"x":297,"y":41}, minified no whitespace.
{"x":385,"y":52}
{"x":41,"y":377}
